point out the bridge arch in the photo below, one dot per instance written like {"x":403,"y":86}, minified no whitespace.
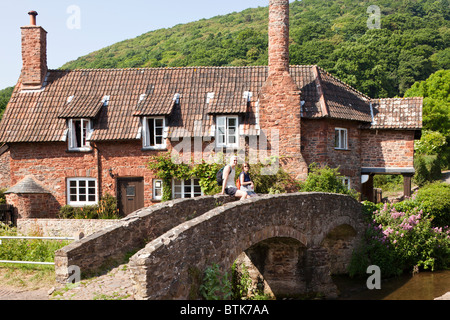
{"x":161,"y":270}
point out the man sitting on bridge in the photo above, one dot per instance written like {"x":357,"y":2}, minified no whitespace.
{"x":228,"y":184}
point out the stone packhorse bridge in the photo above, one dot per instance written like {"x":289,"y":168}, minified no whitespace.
{"x":292,"y":242}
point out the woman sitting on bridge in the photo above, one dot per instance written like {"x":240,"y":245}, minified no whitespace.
{"x":246,"y":182}
{"x":228,"y":185}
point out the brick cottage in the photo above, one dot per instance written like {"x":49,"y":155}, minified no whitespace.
{"x":71,"y":136}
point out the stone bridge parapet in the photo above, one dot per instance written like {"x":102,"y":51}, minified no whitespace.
{"x":163,"y":269}
{"x":130,"y":234}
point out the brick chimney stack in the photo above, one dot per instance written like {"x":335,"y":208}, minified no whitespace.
{"x":278,"y":36}
{"x":279,"y":98}
{"x":34,"y":54}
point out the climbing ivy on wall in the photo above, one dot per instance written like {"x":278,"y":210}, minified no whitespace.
{"x":167,"y":168}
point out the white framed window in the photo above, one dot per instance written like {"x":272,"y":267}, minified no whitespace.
{"x":80,"y":131}
{"x":346,"y":182}
{"x":157,"y":189}
{"x":154,"y":133}
{"x":227,"y":131}
{"x":189,"y":188}
{"x":340,"y":138}
{"x":81,"y":191}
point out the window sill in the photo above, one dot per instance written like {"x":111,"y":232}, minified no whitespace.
{"x":80,"y":150}
{"x":81,"y":205}
{"x":154,"y":149}
{"x":340,"y":149}
{"x":220,"y":148}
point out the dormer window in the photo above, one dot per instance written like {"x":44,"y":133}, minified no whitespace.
{"x":80,"y":131}
{"x":227,"y":133}
{"x":154,"y":133}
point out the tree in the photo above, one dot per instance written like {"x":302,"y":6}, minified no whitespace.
{"x":436,"y":112}
{"x":5,"y":95}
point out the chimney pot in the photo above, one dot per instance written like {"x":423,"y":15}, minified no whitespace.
{"x":33,"y":15}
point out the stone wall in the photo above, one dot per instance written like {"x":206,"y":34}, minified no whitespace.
{"x":130,"y":233}
{"x":4,"y":170}
{"x":62,"y":227}
{"x":162,"y":269}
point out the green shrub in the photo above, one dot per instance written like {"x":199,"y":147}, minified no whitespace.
{"x":2,"y":196}
{"x":428,"y":169}
{"x":215,"y":286}
{"x":388,"y":182}
{"x":325,"y":179}
{"x":27,"y":250}
{"x":401,"y":240}
{"x":269,"y":181}
{"x":105,"y":209}
{"x":422,"y":174}
{"x":434,"y":199}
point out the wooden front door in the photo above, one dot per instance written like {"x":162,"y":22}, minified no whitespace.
{"x":130,"y":194}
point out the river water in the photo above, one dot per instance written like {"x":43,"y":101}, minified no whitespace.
{"x":421,"y":286}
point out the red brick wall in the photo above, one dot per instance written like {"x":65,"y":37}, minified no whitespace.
{"x":29,"y":206}
{"x":318,"y":146}
{"x":34,"y":56}
{"x":51,"y":165}
{"x":387,"y":148}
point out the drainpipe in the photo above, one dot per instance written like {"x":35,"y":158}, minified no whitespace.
{"x":99,"y":171}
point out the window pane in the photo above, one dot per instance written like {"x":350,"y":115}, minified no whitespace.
{"x":344,"y":139}
{"x":159,"y":123}
{"x":220,"y":121}
{"x":151,"y":130}
{"x":336,"y":139}
{"x":91,"y":183}
{"x":84,"y":132}
{"x":131,"y":191}
{"x":232,"y":122}
{"x":77,"y":133}
{"x":82,"y":197}
{"x":73,"y":198}
{"x":159,"y":131}
{"x":73,"y":183}
{"x":91,"y":198}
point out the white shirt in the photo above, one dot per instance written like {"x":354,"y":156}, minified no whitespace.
{"x":230,"y":181}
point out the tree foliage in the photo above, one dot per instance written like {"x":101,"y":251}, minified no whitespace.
{"x":413,"y":42}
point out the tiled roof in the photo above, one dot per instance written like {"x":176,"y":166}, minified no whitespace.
{"x":202,"y":92}
{"x":27,"y":186}
{"x":82,"y":106}
{"x":399,"y":113}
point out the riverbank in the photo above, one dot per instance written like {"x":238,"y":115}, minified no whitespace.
{"x":422,"y":286}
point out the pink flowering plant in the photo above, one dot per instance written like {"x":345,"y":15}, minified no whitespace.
{"x":399,"y":241}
